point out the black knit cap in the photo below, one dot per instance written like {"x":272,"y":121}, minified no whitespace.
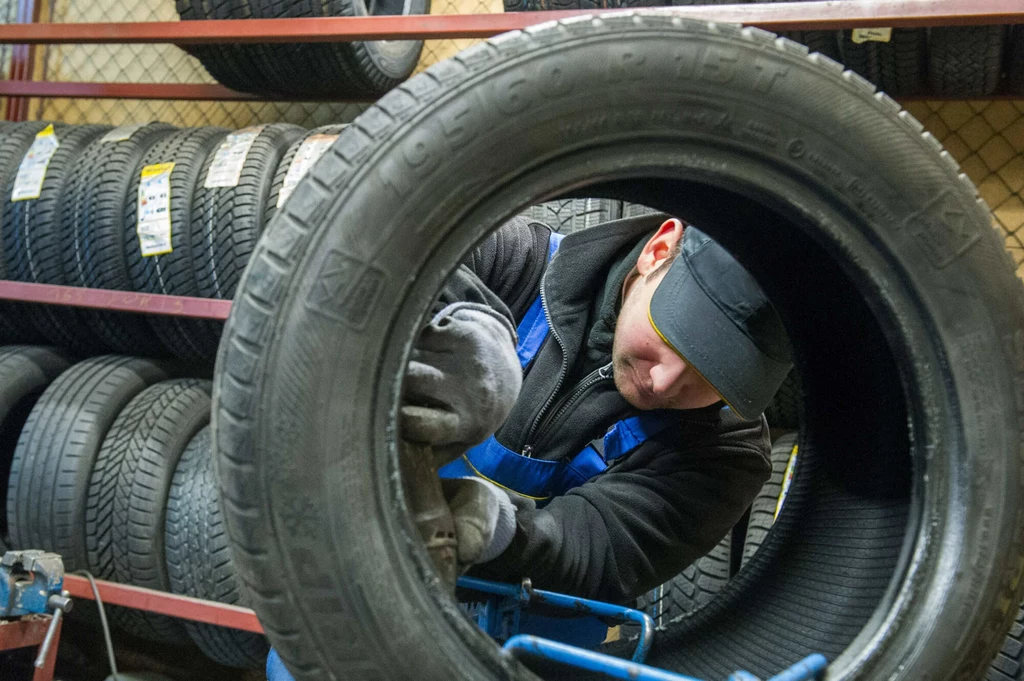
{"x":715,"y":316}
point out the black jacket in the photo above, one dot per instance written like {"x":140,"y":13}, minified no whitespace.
{"x":652,"y":512}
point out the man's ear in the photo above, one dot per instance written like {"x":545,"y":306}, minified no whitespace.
{"x":659,"y":247}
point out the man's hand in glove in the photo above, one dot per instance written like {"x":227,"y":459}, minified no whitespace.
{"x":485,"y":519}
{"x":462,"y":380}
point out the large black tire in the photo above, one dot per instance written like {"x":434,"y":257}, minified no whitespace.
{"x":128,"y":495}
{"x":25,"y":371}
{"x":325,"y":133}
{"x":345,"y":69}
{"x":899,"y":67}
{"x":965,"y":61}
{"x":173,"y":273}
{"x":572,"y":215}
{"x":15,"y":140}
{"x":32,"y":243}
{"x":901,"y":302}
{"x":198,"y":557}
{"x":93,"y":233}
{"x":766,"y":504}
{"x":49,"y":482}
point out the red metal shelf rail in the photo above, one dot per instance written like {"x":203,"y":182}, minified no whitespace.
{"x":194,"y":609}
{"x":28,"y":632}
{"x":124,"y":301}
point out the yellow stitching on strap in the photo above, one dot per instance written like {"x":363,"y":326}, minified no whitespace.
{"x":494,"y":482}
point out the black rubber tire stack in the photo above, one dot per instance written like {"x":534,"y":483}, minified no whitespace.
{"x":198,"y":558}
{"x":25,"y":372}
{"x":344,"y":69}
{"x":284,"y":166}
{"x":15,"y":326}
{"x":898,"y":67}
{"x":93,"y":234}
{"x":32,"y":243}
{"x":128,"y":495}
{"x":173,"y":273}
{"x":47,"y":492}
{"x":965,"y":61}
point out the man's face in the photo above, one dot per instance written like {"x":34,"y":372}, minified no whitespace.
{"x":649,"y":373}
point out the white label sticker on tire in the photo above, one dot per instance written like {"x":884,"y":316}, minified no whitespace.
{"x":871,"y":35}
{"x":311,"y":149}
{"x":226,"y":167}
{"x":121,"y":133}
{"x":154,"y":210}
{"x":28,"y":183}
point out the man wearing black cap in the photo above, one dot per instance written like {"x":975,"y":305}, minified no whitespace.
{"x":625,"y":370}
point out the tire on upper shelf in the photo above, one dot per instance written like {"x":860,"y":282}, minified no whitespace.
{"x":93,"y":232}
{"x":169,"y":270}
{"x":198,"y":556}
{"x":128,"y":494}
{"x":1015,"y":61}
{"x":32,"y":243}
{"x":25,"y":372}
{"x":965,"y":61}
{"x":15,"y":140}
{"x":341,"y":69}
{"x":898,"y":66}
{"x":728,"y":128}
{"x":48,"y":487}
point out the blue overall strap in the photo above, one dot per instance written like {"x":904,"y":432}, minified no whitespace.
{"x":621,"y":439}
{"x":496,"y":463}
{"x":533,"y":328}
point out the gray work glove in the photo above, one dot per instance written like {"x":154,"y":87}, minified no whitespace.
{"x":485,"y":519}
{"x":462,"y":380}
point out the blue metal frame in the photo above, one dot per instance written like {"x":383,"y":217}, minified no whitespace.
{"x":500,"y":618}
{"x":805,"y":670}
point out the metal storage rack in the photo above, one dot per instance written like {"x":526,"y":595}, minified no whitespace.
{"x":27,"y":33}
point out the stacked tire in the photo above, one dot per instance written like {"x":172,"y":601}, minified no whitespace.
{"x":320,"y":70}
{"x":139,"y":208}
{"x":108,"y":462}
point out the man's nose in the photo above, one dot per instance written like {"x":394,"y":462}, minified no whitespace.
{"x":665,"y":374}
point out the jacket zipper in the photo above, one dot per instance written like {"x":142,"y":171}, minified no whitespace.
{"x":589,"y":381}
{"x":527,"y":449}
